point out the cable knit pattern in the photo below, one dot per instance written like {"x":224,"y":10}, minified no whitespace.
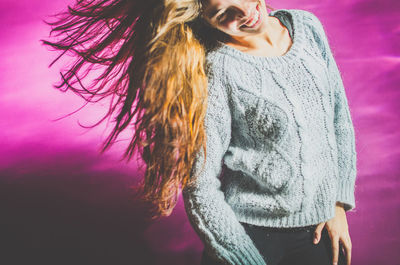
{"x":282,"y":127}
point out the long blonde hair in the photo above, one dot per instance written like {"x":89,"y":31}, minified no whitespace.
{"x":153,"y":56}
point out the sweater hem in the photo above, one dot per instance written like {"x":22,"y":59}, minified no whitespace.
{"x":314,"y":216}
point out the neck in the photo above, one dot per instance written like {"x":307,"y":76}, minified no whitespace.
{"x":271,"y":36}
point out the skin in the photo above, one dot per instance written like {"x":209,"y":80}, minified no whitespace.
{"x":338,"y":231}
{"x":270,"y":38}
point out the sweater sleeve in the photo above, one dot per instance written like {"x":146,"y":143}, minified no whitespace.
{"x":344,"y":129}
{"x":212,"y":218}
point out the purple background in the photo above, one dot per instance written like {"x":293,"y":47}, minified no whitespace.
{"x":63,"y":203}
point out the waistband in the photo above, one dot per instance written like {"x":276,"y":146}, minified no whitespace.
{"x":282,"y":229}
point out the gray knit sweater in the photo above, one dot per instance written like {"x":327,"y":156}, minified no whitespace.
{"x":279,"y":130}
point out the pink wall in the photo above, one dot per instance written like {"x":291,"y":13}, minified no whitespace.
{"x":61,"y":202}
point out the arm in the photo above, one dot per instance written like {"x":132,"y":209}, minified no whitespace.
{"x":211,"y":217}
{"x":344,"y":129}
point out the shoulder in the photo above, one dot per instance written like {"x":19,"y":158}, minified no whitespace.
{"x":307,"y":18}
{"x":308,"y":15}
{"x":216,"y":73}
{"x":215,"y":58}
{"x":313,"y":29}
{"x":215,"y":66}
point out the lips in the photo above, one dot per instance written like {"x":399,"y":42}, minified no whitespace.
{"x":254,"y":19}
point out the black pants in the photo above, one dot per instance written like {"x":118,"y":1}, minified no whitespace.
{"x":281,"y":246}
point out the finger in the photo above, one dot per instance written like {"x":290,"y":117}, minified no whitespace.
{"x":335,"y":249}
{"x":317,"y":232}
{"x":347,"y":249}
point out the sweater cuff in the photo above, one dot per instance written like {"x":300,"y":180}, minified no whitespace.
{"x":247,"y":255}
{"x":345,"y":194}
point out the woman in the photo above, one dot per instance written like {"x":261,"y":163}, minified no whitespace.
{"x":242,"y":110}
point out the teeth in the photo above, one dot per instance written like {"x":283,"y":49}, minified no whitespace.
{"x":254,"y":20}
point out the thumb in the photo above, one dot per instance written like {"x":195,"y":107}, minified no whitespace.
{"x":317,"y":232}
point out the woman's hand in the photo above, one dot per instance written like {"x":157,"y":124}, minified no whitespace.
{"x":338,"y":230}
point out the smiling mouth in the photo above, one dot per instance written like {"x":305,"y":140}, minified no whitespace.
{"x":255,"y":19}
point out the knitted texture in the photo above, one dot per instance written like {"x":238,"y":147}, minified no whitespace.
{"x":282,"y":127}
